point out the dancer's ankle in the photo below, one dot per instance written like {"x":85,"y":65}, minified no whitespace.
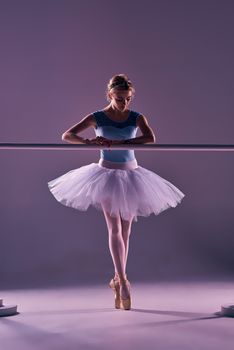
{"x":120,"y":277}
{"x":123,"y":278}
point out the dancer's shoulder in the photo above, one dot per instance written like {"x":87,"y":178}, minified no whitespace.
{"x":135,"y":113}
{"x":97,"y":117}
{"x":137,"y":116}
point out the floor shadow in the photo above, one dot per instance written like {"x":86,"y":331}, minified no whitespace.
{"x":190,"y":317}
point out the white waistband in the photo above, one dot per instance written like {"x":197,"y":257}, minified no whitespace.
{"x":130,"y":165}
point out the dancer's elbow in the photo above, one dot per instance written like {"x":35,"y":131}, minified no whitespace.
{"x":152,"y":139}
{"x":66,"y":136}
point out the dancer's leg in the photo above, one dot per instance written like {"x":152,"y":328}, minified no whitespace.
{"x":116,"y":245}
{"x":126,"y":231}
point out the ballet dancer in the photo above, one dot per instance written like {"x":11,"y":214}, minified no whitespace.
{"x":116,"y":185}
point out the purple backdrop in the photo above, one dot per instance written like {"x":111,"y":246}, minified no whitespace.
{"x":56,"y":59}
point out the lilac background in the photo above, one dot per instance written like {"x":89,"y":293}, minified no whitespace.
{"x":56,"y":59}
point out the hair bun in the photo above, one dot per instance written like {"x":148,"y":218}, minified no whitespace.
{"x":120,"y":81}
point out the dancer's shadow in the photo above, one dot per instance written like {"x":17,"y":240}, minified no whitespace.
{"x":190,"y":316}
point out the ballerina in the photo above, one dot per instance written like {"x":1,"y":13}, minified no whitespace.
{"x":116,"y":185}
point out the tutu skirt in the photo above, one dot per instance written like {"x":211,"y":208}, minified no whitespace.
{"x":129,"y":192}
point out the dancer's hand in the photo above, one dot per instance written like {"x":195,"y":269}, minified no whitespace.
{"x":108,"y":142}
{"x":99,"y":140}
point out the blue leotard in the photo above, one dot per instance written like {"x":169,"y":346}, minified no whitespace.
{"x":114,"y":130}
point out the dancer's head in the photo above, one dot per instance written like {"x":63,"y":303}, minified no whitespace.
{"x":120,"y":91}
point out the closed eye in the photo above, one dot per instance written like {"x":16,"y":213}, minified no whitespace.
{"x":123,"y":100}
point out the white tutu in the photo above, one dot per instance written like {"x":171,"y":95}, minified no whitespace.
{"x":129,"y":193}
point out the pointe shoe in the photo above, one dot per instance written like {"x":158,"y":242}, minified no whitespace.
{"x":125,"y":303}
{"x":115,"y":286}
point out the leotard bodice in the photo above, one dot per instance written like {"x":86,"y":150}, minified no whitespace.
{"x":116,"y":130}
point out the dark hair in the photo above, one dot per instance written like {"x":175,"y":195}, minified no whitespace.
{"x":119,"y":82}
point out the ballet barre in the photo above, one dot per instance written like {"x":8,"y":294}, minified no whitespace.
{"x":140,"y":147}
{"x":227,"y":309}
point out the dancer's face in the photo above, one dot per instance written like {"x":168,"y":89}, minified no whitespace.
{"x":120,"y":99}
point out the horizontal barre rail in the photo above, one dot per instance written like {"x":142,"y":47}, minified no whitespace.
{"x":140,"y":147}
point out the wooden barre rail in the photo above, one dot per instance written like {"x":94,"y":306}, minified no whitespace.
{"x":140,"y":147}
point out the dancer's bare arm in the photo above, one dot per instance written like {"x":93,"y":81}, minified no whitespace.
{"x":145,"y":128}
{"x":71,"y":135}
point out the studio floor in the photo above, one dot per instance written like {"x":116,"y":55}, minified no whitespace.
{"x":183,"y":316}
